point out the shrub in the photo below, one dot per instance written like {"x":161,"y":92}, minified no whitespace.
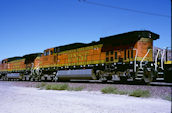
{"x":113,"y":90}
{"x":41,"y":85}
{"x":76,"y":88}
{"x":108,"y":90}
{"x":120,"y":92}
{"x":48,"y":87}
{"x":167,"y":98}
{"x":59,"y":86}
{"x":140,"y":93}
{"x":62,"y":87}
{"x":38,"y":85}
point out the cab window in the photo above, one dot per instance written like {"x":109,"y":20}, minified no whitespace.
{"x":51,"y":52}
{"x":44,"y":53}
{"x":47,"y":53}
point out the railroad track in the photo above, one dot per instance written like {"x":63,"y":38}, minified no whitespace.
{"x":128,"y":82}
{"x":160,"y":84}
{"x":120,"y":82}
{"x":108,"y":82}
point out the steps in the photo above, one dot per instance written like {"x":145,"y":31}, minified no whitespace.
{"x":160,"y":76}
{"x":139,"y":75}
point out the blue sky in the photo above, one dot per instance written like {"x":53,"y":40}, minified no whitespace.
{"x":30,"y":26}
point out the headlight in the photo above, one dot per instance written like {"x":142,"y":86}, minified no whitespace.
{"x":151,"y":64}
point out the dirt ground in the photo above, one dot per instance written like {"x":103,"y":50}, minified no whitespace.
{"x":17,"y":99}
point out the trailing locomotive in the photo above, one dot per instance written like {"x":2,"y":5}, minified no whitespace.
{"x":122,"y":57}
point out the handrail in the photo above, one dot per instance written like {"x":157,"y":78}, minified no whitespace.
{"x":144,"y":58}
{"x":32,"y":69}
{"x":37,"y":69}
{"x":162,"y":59}
{"x":156,"y":58}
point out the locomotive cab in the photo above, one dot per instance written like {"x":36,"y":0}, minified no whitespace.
{"x":3,"y":69}
{"x":134,"y":53}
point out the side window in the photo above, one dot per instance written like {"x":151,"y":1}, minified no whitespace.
{"x":132,"y":53}
{"x":116,"y":55}
{"x":128,"y":53}
{"x":45,"y":53}
{"x":111,"y":52}
{"x":107,"y":59}
{"x":111,"y":59}
{"x":125,"y":55}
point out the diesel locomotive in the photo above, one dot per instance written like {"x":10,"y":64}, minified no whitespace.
{"x":122,"y":57}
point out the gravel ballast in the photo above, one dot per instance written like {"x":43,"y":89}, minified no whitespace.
{"x":155,"y":91}
{"x":17,"y":99}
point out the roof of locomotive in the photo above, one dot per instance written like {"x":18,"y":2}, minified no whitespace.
{"x":119,"y":39}
{"x":133,"y":35}
{"x":29,"y":58}
{"x":74,"y":46}
{"x":14,"y":58}
{"x":33,"y":54}
{"x":127,"y":39}
{"x":19,"y":57}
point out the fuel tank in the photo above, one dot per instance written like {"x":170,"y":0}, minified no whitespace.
{"x":75,"y":74}
{"x":13,"y":75}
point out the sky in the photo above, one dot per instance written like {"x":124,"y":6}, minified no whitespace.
{"x":31,"y":26}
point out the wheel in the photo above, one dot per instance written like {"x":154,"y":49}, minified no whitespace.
{"x":148,"y":75}
{"x":56,"y":79}
{"x":31,"y":79}
{"x":123,"y":79}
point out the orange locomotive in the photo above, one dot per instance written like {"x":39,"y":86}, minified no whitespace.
{"x":119,"y":57}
